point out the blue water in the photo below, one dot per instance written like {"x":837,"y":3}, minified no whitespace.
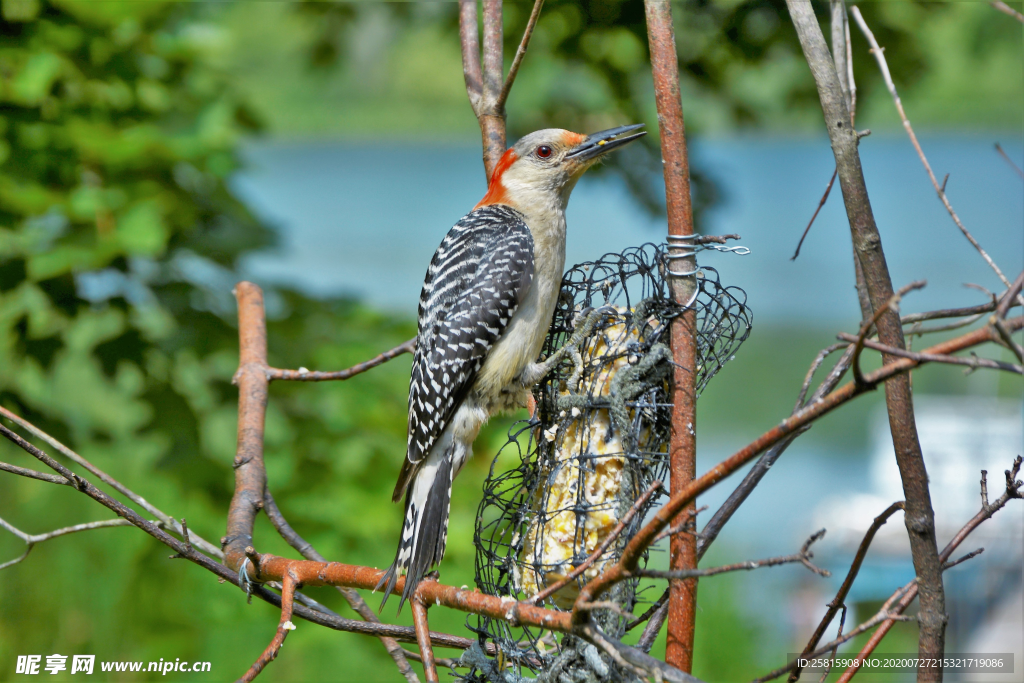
{"x":365,"y":219}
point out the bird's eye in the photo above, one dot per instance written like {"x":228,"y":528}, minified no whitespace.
{"x":543,"y":151}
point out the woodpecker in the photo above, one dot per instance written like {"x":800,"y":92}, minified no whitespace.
{"x":484,"y":312}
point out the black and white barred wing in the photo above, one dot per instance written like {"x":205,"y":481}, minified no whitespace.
{"x":474,"y":284}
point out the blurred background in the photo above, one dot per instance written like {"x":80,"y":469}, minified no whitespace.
{"x":154,"y":153}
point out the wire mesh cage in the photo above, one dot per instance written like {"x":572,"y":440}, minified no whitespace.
{"x":598,"y":440}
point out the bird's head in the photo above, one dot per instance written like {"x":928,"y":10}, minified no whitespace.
{"x":545,"y":165}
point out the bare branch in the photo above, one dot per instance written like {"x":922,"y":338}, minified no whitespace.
{"x":802,"y":557}
{"x":891,"y":305}
{"x":787,"y":428}
{"x":355,"y":601}
{"x":401,"y":633}
{"x":304,"y":375}
{"x":818,"y":360}
{"x":32,"y":474}
{"x":165,"y":519}
{"x":419,"y":618}
{"x":1006,"y":156}
{"x":973,"y":362}
{"x":520,"y":53}
{"x":32,"y":539}
{"x":840,"y":599}
{"x":1013,"y":487}
{"x":469,"y":34}
{"x":879,"y":54}
{"x":882,"y":615}
{"x":284,"y":626}
{"x":824,"y":198}
{"x":682,"y":604}
{"x":1006,"y":9}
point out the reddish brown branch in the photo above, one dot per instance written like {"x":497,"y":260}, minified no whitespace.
{"x":401,"y":633}
{"x":419,"y":618}
{"x":252,"y":381}
{"x":594,"y":556}
{"x":304,"y":375}
{"x":355,"y":601}
{"x":838,"y":602}
{"x":283,"y":627}
{"x":682,"y":610}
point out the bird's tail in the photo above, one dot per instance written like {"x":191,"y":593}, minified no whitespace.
{"x":425,"y":531}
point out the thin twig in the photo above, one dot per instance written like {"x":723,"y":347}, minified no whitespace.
{"x":1006,"y":156}
{"x":32,"y":474}
{"x":818,"y":360}
{"x":803,"y":557}
{"x":1011,"y":492}
{"x":304,"y":375}
{"x":520,"y":53}
{"x":882,"y":615}
{"x":839,"y":633}
{"x":952,"y":312}
{"x":283,"y":627}
{"x":681,"y":528}
{"x":1006,"y":9}
{"x":824,"y":198}
{"x":839,"y":601}
{"x":32,"y":539}
{"x":968,"y":556}
{"x":599,"y":550}
{"x":883,"y":66}
{"x":893,"y":305}
{"x":650,"y":611}
{"x":154,"y":529}
{"x":973,"y":362}
{"x":167,"y":520}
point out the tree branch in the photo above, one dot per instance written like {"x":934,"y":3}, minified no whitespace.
{"x":919,"y":516}
{"x":283,"y":627}
{"x":1013,"y":490}
{"x":682,"y":604}
{"x":419,"y":618}
{"x":838,"y":602}
{"x":167,"y":520}
{"x":879,"y":55}
{"x":513,"y":70}
{"x":304,"y":375}
{"x":355,"y":601}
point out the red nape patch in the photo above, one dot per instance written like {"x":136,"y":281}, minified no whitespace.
{"x":571,"y":139}
{"x":496,"y":193}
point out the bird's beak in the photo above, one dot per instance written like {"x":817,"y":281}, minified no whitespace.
{"x":597,"y":144}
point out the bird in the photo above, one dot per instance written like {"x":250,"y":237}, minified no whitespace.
{"x":484,"y":312}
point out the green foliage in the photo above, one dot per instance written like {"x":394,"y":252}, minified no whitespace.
{"x":118,"y":241}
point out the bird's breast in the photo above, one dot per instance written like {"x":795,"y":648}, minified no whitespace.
{"x":519,"y":346}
